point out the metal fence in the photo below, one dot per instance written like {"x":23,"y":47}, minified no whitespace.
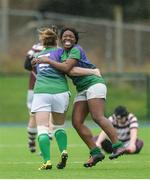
{"x":111,"y":47}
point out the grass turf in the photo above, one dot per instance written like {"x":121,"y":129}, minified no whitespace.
{"x":13,"y":91}
{"x":16,"y":162}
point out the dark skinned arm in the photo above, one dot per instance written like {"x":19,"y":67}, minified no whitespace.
{"x":65,"y":66}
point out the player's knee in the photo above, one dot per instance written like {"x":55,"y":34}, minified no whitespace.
{"x":139,"y":145}
{"x":57,"y":128}
{"x":107,"y":146}
{"x":42,"y":130}
{"x":76,"y":124}
{"x":32,"y":114}
{"x":98,"y":117}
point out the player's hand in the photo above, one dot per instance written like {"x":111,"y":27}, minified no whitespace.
{"x":97,"y":72}
{"x":33,"y":62}
{"x":42,"y":60}
{"x":131,"y":148}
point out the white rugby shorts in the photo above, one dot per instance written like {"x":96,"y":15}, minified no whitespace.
{"x":95,"y":91}
{"x":29,"y":98}
{"x":50,"y":102}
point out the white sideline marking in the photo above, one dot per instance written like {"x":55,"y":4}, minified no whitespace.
{"x":75,"y":162}
{"x":25,"y":145}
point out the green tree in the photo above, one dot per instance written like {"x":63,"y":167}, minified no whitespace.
{"x":132,"y":9}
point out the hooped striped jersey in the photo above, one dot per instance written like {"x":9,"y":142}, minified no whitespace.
{"x":36,"y":48}
{"x":123,"y":130}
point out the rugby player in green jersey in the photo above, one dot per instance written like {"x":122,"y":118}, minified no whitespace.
{"x":50,"y":88}
{"x":51,"y":95}
{"x":90,"y":97}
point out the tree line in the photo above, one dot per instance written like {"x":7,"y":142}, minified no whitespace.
{"x":132,"y":9}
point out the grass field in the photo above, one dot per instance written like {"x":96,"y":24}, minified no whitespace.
{"x":17,"y":162}
{"x":13,"y":90}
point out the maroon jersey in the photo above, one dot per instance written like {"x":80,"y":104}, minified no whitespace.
{"x":36,"y":48}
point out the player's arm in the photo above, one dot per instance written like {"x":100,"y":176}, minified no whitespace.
{"x":28,"y":59}
{"x":27,"y":63}
{"x":133,"y":136}
{"x":78,"y":71}
{"x":68,"y":67}
{"x":102,"y":136}
{"x":65,"y":66}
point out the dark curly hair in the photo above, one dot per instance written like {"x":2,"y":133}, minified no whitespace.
{"x":121,"y":111}
{"x":76,"y":34}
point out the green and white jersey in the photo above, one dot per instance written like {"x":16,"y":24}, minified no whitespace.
{"x":81,"y":82}
{"x":50,"y":80}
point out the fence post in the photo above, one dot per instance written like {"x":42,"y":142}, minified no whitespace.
{"x":148,"y":95}
{"x":4,"y":27}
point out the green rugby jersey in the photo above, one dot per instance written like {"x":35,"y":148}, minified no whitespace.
{"x":81,"y":82}
{"x":50,"y":80}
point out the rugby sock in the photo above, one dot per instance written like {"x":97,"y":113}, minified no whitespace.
{"x":32,"y":132}
{"x":61,"y":138}
{"x":117,"y":145}
{"x":50,"y":134}
{"x":95,"y":151}
{"x":44,"y":144}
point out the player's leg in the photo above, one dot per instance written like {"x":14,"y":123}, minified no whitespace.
{"x":105,"y":124}
{"x":106,"y":144}
{"x":31,"y":128}
{"x":61,"y":138}
{"x":32,"y":133}
{"x":50,"y":126}
{"x":59,"y":108}
{"x":139,"y":145}
{"x":41,"y":107}
{"x":42,"y":119}
{"x":96,"y":95}
{"x":80,"y":111}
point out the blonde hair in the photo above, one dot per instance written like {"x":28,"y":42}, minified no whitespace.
{"x":48,"y":36}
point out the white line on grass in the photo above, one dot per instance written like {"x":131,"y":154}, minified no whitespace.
{"x":74,"y":162}
{"x":25,"y":145}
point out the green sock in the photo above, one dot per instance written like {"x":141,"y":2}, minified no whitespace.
{"x":44,"y":144}
{"x":118,"y":144}
{"x":95,"y":151}
{"x":61,"y":138}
